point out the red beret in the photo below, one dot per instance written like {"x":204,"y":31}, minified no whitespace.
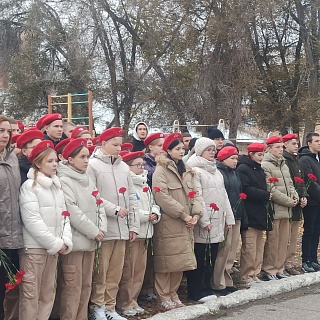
{"x":28,"y":136}
{"x":132,"y":155}
{"x":21,"y":126}
{"x":40,"y":147}
{"x":76,"y":131}
{"x":39,"y":125}
{"x":274,"y":139}
{"x":50,"y":118}
{"x":72,"y":146}
{"x":111,"y":133}
{"x":60,"y":146}
{"x":289,"y":136}
{"x":91,"y":149}
{"x":256,"y":147}
{"x":14,"y":138}
{"x":170,"y":138}
{"x":95,"y":140}
{"x":227,"y":152}
{"x":126,"y":145}
{"x":122,"y":153}
{"x":151,"y":137}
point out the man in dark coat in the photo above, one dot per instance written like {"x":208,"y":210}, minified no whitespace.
{"x":291,"y":146}
{"x":309,"y":159}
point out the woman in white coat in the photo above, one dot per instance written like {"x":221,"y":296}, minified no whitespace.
{"x":89,"y":226}
{"x":217,"y":216}
{"x":46,"y":233}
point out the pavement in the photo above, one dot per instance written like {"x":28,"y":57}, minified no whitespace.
{"x":256,"y":292}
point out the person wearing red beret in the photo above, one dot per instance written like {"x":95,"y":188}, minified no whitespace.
{"x":139,"y":134}
{"x":113,"y":180}
{"x":46,"y":232}
{"x":226,"y":164}
{"x":254,"y":185}
{"x":26,"y":142}
{"x":290,"y":153}
{"x":11,"y":227}
{"x":60,"y":147}
{"x":173,"y":236}
{"x":21,"y":126}
{"x":82,"y":132}
{"x":53,"y":126}
{"x":39,"y":125}
{"x":136,"y":259}
{"x":284,"y":198}
{"x":88,"y":230}
{"x":126,"y":146}
{"x":96,"y":141}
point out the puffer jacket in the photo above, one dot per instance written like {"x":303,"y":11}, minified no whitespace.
{"x":172,"y":240}
{"x":10,"y":221}
{"x":109,"y":176}
{"x":283,"y":191}
{"x":292,"y":161}
{"x":150,"y":166}
{"x":210,"y":186}
{"x":254,"y":185}
{"x":84,"y":218}
{"x":146,"y":205}
{"x":310,"y":164}
{"x":233,"y":187}
{"x":41,"y":206}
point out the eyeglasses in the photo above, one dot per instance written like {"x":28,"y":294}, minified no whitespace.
{"x":138,"y":165}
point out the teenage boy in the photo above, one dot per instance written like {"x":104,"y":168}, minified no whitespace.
{"x":52,"y":124}
{"x":309,"y":160}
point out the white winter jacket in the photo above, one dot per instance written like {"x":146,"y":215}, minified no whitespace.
{"x":109,"y":176}
{"x":210,"y":186}
{"x":41,"y":207}
{"x":84,"y":218}
{"x":146,"y":205}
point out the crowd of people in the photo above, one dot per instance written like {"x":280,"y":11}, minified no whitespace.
{"x":93,"y":225}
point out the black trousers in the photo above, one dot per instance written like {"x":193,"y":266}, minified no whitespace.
{"x":14,"y":256}
{"x":199,"y":280}
{"x":311,"y":232}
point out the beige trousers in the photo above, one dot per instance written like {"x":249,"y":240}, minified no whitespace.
{"x":148,"y":281}
{"x":105,"y":281}
{"x":251,"y":254}
{"x":132,"y":276}
{"x":275,"y":249}
{"x":226,"y":254}
{"x":37,"y":289}
{"x":292,"y":245}
{"x":75,"y":282}
{"x":167,"y":285}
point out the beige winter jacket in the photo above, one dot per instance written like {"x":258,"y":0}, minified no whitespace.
{"x":84,"y":218}
{"x":109,"y":176}
{"x":146,"y":205}
{"x":172,"y":240}
{"x":283,"y":191}
{"x":210,"y":186}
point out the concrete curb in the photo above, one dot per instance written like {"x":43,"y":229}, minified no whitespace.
{"x":256,"y":292}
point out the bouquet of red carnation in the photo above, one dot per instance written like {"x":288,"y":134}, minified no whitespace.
{"x":311,"y":178}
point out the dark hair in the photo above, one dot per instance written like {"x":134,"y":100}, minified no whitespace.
{"x":12,"y":120}
{"x":186,"y":134}
{"x":180,"y":164}
{"x":192,"y":143}
{"x":77,"y":151}
{"x":310,"y":136}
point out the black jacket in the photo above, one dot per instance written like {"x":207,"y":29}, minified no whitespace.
{"x":310,"y":164}
{"x":296,"y":171}
{"x":233,"y":187}
{"x":24,"y":166}
{"x":55,"y":142}
{"x":254,"y":185}
{"x":138,"y":145}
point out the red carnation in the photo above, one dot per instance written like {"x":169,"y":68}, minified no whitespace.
{"x":20,"y":274}
{"x":145,"y":189}
{"x":9,"y":286}
{"x":243,"y":196}
{"x":99,"y":201}
{"x":122,"y":190}
{"x":192,"y":194}
{"x":65,"y":213}
{"x":312,"y":177}
{"x":214,"y":206}
{"x":298,"y":180}
{"x":95,"y":193}
{"x":18,"y":281}
{"x":156,"y":189}
{"x":273,"y":179}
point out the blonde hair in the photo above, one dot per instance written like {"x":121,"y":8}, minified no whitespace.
{"x":80,"y":134}
{"x":38,"y":160}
